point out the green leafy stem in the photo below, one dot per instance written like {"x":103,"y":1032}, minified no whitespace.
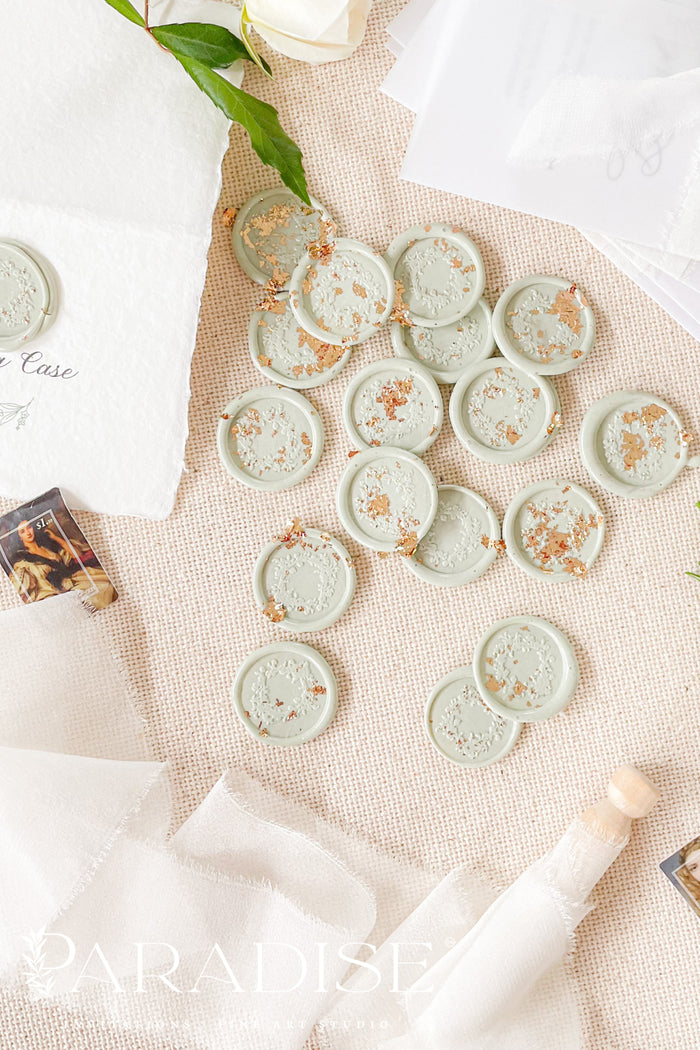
{"x":201,"y":49}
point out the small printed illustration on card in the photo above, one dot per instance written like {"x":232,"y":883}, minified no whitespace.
{"x":683,"y":869}
{"x":44,"y":553}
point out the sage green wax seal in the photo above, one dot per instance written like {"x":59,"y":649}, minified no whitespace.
{"x":285,"y":694}
{"x":393,"y":402}
{"x":28,"y":295}
{"x":387,"y":499}
{"x":554,"y":530}
{"x":462,"y":728}
{"x":544,"y":324}
{"x":502,"y":413}
{"x":286,"y":354}
{"x":273,"y":230}
{"x":305,"y":580}
{"x":447,"y":351}
{"x":439,"y":274}
{"x":525,"y":668}
{"x":344,"y":295}
{"x":633,"y":443}
{"x":462,"y":542}
{"x":270,"y":438}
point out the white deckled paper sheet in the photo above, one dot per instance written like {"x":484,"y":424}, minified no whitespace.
{"x":111,"y":170}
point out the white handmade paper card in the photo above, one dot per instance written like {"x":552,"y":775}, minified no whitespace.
{"x":111,"y":170}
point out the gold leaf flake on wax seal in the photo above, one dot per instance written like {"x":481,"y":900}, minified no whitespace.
{"x":406,"y":545}
{"x":324,"y":247}
{"x":400,"y":310}
{"x":497,"y":545}
{"x":293,"y":532}
{"x":394,"y":395}
{"x":650,"y":415}
{"x":567,"y":308}
{"x":271,"y":302}
{"x":555,"y":422}
{"x":378,"y":506}
{"x":633,"y":449}
{"x":274,"y":611}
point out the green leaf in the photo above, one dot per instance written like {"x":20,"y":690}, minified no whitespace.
{"x":128,"y":10}
{"x":245,"y":36}
{"x":213,"y":45}
{"x":259,"y":119}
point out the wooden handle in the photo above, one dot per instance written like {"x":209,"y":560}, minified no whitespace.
{"x":631,"y":792}
{"x":630,"y":795}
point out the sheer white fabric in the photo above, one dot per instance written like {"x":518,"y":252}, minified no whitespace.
{"x":236,"y":931}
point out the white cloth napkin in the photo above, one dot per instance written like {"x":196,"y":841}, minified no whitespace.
{"x":111,"y":170}
{"x":105,"y":914}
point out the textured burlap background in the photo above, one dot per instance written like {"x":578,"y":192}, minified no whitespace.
{"x":186,"y":616}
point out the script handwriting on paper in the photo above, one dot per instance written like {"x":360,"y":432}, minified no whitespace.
{"x":32,"y":362}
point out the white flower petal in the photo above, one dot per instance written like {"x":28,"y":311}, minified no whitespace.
{"x":322,"y":31}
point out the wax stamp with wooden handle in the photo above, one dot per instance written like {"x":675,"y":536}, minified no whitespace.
{"x":477,"y":987}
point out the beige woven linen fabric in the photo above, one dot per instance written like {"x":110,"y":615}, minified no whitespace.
{"x":186,"y":616}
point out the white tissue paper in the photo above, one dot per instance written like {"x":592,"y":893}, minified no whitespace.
{"x":235,"y":931}
{"x":592,"y":120}
{"x":110,"y":169}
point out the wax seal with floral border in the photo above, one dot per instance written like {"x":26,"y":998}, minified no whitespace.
{"x":462,"y":728}
{"x":387,"y":499}
{"x":343,"y":293}
{"x":554,"y":530}
{"x":633,"y":443}
{"x":447,"y":351}
{"x":270,"y":438}
{"x":286,"y":354}
{"x":285,"y":694}
{"x":502,"y":413}
{"x":439,"y":273}
{"x":525,"y":668}
{"x":544,"y":324}
{"x":462,"y":542}
{"x":393,"y":402}
{"x":304,"y":580}
{"x":28,"y":295}
{"x":273,"y":231}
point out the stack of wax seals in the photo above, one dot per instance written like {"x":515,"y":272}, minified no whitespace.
{"x":524,"y":670}
{"x":507,"y":411}
{"x":28,"y":295}
{"x":324,"y":296}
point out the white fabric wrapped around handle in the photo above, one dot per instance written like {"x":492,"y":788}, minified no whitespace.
{"x":476,"y":987}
